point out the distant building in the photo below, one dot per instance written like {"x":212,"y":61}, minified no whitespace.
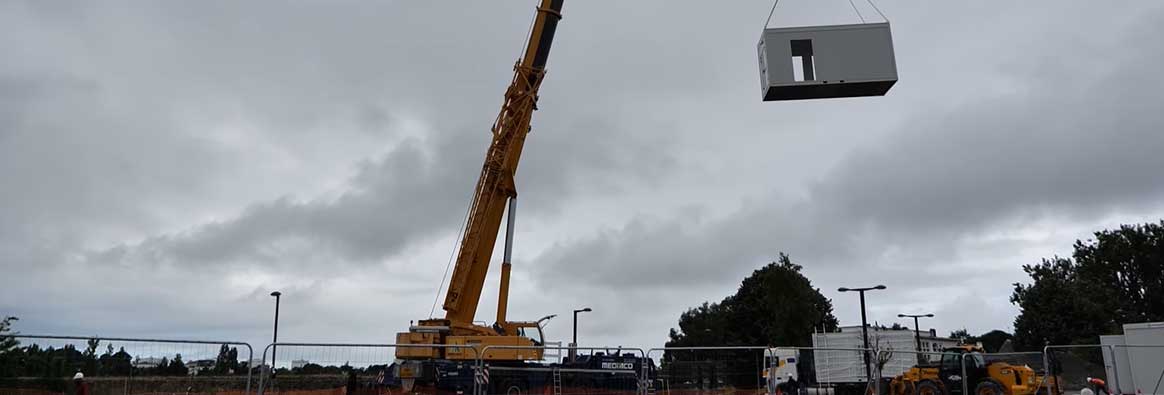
{"x":299,"y":363}
{"x":146,"y":363}
{"x":195,"y":367}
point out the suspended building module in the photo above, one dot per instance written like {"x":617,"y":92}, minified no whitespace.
{"x":817,"y":62}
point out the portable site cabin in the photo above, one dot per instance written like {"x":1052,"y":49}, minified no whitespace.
{"x":1131,"y":369}
{"x":817,"y":62}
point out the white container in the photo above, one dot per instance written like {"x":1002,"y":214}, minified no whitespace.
{"x":817,"y":62}
{"x":1115,"y":360}
{"x":1140,"y":368}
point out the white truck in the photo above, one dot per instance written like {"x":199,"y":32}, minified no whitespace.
{"x":1133,"y":370}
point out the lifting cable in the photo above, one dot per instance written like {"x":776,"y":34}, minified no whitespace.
{"x":878,"y":10}
{"x":456,"y":249}
{"x":861,"y":17}
{"x":769,"y":20}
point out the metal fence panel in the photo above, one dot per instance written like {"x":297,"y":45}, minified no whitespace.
{"x":362,"y":369}
{"x":1016,"y":373}
{"x":44,"y":365}
{"x":584,"y":370}
{"x":711,"y":370}
{"x":923,"y":377}
{"x":821,"y":371}
{"x":1075,"y":367}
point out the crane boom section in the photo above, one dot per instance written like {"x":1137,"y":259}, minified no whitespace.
{"x":495,"y":184}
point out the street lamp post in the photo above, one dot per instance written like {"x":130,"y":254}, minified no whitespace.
{"x":916,"y":330}
{"x":275,"y":336}
{"x":864,"y":324}
{"x":574,"y":345}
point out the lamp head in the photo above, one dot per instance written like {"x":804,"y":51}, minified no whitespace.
{"x":276,"y":294}
{"x":879,"y":287}
{"x":842,"y":289}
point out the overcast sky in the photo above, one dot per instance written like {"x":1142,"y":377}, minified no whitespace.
{"x":165,"y":165}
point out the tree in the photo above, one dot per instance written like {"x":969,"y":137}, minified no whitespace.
{"x":177,"y":367}
{"x":222,"y":362}
{"x":993,"y":340}
{"x":1125,"y":269}
{"x":7,"y":341}
{"x":963,"y":336}
{"x":774,"y":306}
{"x":1115,"y":278}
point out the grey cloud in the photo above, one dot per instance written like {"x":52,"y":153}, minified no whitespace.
{"x":1082,"y":148}
{"x":413,"y":193}
{"x":227,"y":138}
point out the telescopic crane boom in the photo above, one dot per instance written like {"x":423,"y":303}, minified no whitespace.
{"x":495,"y":191}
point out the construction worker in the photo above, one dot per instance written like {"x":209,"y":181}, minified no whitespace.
{"x":1097,"y":385}
{"x":79,"y":384}
{"x":793,"y":385}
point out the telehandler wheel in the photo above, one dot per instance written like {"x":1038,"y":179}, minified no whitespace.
{"x":988,"y":387}
{"x":929,"y":388}
{"x":903,"y":388}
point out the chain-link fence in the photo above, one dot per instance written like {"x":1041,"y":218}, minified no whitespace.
{"x":583,"y":370}
{"x":50,"y":365}
{"x":367,"y":369}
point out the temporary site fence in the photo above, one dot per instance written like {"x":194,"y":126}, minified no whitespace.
{"x":602,"y":371}
{"x":1071,"y":366}
{"x":1034,"y":360}
{"x":829,"y":370}
{"x":707,"y":370}
{"x":46,"y":364}
{"x":356,"y":368}
{"x":886,"y":385}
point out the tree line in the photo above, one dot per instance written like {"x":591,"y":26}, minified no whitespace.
{"x":33,"y":360}
{"x":1115,"y":278}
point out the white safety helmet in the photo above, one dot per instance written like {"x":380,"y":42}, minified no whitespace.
{"x":78,"y":376}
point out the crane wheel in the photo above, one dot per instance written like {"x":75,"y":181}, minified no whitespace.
{"x":929,"y":388}
{"x":514,"y":387}
{"x":988,"y":387}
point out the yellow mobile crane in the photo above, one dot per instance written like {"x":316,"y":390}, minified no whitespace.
{"x":495,"y":191}
{"x":456,"y":337}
